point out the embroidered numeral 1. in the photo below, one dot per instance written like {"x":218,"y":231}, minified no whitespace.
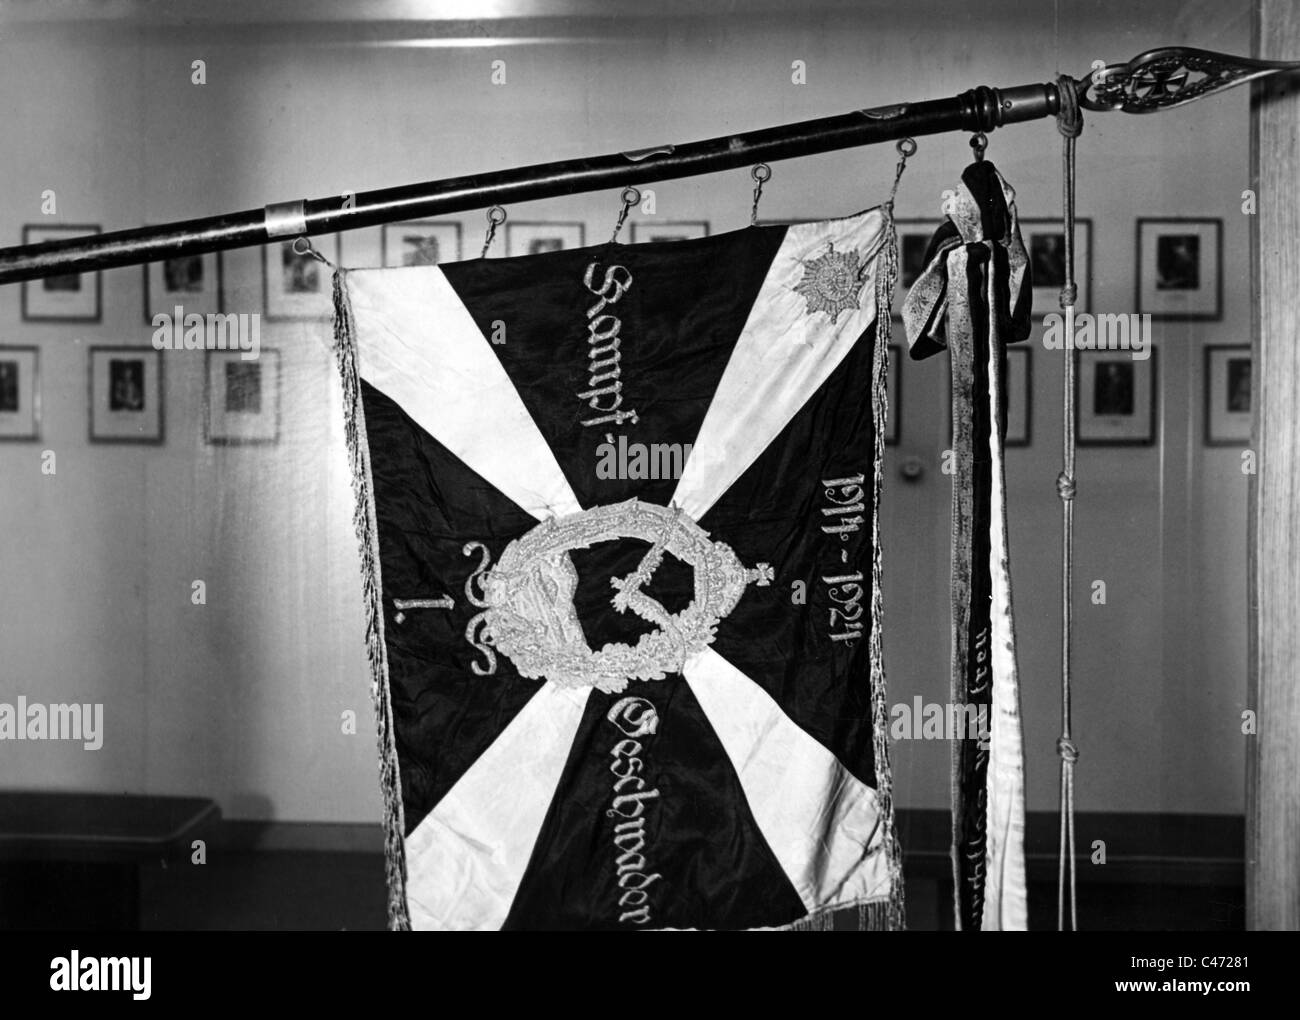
{"x":401,"y":605}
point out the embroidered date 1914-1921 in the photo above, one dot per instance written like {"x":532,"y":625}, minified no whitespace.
{"x":847,"y":504}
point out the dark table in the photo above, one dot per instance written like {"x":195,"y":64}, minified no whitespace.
{"x":73,"y":860}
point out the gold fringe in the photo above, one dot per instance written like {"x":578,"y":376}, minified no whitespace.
{"x":869,"y":915}
{"x":363,"y":520}
{"x":895,"y":918}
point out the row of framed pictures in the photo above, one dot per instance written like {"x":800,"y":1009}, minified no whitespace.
{"x":296,"y":285}
{"x":1115,"y":397}
{"x":1179,"y":264}
{"x":242,"y":397}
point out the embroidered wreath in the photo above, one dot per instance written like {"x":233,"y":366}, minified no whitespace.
{"x":529,"y":614}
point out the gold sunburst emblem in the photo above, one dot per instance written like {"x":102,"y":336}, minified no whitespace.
{"x":832,"y":283}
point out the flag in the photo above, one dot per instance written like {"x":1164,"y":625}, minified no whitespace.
{"x":617,"y":509}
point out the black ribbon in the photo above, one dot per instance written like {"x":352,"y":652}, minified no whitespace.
{"x":949,"y":306}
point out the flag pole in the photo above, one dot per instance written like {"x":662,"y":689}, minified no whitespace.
{"x":1152,"y":81}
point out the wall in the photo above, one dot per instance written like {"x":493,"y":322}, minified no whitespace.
{"x":241,"y":698}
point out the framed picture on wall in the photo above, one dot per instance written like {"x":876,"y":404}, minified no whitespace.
{"x":421,"y":243}
{"x":680,"y":231}
{"x":72,"y":297}
{"x":1115,"y":399}
{"x":192,"y":282}
{"x":1179,"y":274}
{"x":126,"y":395}
{"x":1228,"y":394}
{"x":536,"y":238}
{"x":913,"y":238}
{"x":1045,"y":249}
{"x":299,"y":286}
{"x":1019,"y":396}
{"x":243,"y":398}
{"x":20,"y":393}
{"x":894,"y":391}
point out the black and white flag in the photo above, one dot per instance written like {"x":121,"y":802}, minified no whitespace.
{"x":618,"y":516}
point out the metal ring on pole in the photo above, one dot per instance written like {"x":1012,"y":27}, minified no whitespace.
{"x":762,"y":173}
{"x":631,"y":196}
{"x":309,"y":249}
{"x":495,"y":217}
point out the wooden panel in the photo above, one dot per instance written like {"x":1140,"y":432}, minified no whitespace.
{"x":1273,"y":758}
{"x":99,"y":826}
{"x":1175,"y":850}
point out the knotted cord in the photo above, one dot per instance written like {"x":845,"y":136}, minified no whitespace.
{"x":1069,"y":121}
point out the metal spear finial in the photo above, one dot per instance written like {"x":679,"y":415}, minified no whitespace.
{"x":1168,"y":77}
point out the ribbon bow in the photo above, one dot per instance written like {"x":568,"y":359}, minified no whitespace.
{"x":982,"y":219}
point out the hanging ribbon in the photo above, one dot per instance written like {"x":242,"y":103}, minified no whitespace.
{"x":973,"y":297}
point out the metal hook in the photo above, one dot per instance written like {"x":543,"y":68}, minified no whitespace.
{"x":309,"y":249}
{"x":979,"y":141}
{"x":906,"y":148}
{"x":495,"y":217}
{"x":631,"y":196}
{"x":762,"y":173}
